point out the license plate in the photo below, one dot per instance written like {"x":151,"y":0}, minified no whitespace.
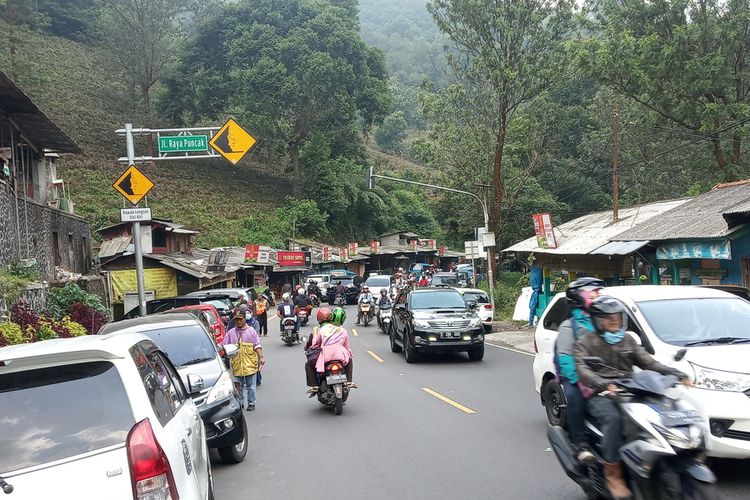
{"x":450,"y":335}
{"x":680,"y":417}
{"x":335,"y":379}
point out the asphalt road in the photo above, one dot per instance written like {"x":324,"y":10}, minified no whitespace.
{"x":443,"y":428}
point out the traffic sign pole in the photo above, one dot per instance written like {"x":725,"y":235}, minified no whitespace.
{"x":136,"y":231}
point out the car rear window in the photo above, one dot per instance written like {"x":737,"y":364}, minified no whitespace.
{"x":478,"y":297}
{"x":184,"y":345}
{"x":219,"y":303}
{"x":58,"y":412}
{"x":437,"y":300}
{"x":379,"y":281}
{"x":444,"y":280}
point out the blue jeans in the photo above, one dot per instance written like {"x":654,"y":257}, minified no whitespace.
{"x":575,"y":413}
{"x":247,"y":383}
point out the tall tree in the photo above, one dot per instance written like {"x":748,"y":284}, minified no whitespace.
{"x":507,"y":53}
{"x":687,"y":60}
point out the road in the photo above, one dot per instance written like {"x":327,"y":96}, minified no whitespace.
{"x":443,"y":428}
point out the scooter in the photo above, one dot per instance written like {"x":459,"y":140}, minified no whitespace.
{"x":340,"y":300}
{"x":663,"y":445}
{"x":384,"y":318}
{"x":333,"y":392}
{"x":366,"y":308}
{"x":289,"y":330}
{"x":304,"y":316}
{"x":314,"y":299}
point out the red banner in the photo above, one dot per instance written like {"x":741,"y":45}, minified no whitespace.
{"x":353,"y":247}
{"x":374,"y":246}
{"x":326,"y":253}
{"x":441,"y":251}
{"x":544,"y":229}
{"x":431,"y":244}
{"x":342,"y":254}
{"x":290,"y":259}
{"x":251,"y":252}
{"x":413,"y":245}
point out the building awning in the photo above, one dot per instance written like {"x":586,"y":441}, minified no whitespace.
{"x":620,"y":247}
{"x":717,"y":249}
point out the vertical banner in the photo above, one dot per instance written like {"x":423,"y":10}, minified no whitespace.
{"x":374,"y":246}
{"x":264,"y":255}
{"x":251,"y":252}
{"x":441,"y":251}
{"x":431,"y":244}
{"x":326,"y":253}
{"x":413,"y":245}
{"x":342,"y":254}
{"x":353,"y":247}
{"x":544,"y":230}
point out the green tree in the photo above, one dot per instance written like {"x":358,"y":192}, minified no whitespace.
{"x":288,"y":69}
{"x":508,"y":52}
{"x":391,"y":134}
{"x":684,"y":60}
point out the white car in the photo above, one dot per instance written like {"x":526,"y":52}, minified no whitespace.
{"x":700,"y":331}
{"x":484,"y":308}
{"x":322,"y":280}
{"x":379,"y":282}
{"x":99,"y":417}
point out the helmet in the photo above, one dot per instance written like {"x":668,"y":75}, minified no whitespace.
{"x":383,"y":291}
{"x":365,"y":287}
{"x":311,"y":282}
{"x":324,"y":315}
{"x":577,"y":291}
{"x":286,"y":297}
{"x":606,"y":306}
{"x":301,"y":291}
{"x":338,"y":316}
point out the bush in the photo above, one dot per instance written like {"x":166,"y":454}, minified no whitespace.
{"x":72,"y":328}
{"x":11,"y":334}
{"x":22,"y":313}
{"x":89,"y":318}
{"x":60,"y":300}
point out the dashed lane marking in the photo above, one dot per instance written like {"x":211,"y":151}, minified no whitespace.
{"x":461,"y":407}
{"x":354,"y":331}
{"x":376,"y":357}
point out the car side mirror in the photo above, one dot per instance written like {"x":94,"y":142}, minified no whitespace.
{"x":473,"y":305}
{"x":194,"y":383}
{"x":636,"y":338}
{"x":231,"y":350}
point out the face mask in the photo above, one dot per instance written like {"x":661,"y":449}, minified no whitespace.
{"x":613,"y":337}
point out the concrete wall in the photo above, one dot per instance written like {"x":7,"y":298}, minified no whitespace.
{"x":54,"y":238}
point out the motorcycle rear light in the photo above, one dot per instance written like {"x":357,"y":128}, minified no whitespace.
{"x":150,"y":471}
{"x":335,"y":368}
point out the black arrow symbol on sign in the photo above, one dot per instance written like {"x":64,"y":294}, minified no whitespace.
{"x":223,"y":142}
{"x":126,"y":185}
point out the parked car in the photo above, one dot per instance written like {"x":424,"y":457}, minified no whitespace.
{"x":700,"y":331}
{"x":99,"y":417}
{"x":322,"y":280}
{"x":446,"y":279}
{"x":435,"y":320}
{"x":484,"y":308}
{"x":211,"y":317}
{"x":220,"y":302}
{"x":352,"y":284}
{"x":379,"y":282}
{"x":233,"y":294}
{"x":202,"y":369}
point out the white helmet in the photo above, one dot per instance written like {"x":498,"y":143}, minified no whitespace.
{"x":286,"y":297}
{"x":301,"y":291}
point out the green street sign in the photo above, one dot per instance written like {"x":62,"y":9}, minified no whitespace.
{"x":183,"y":143}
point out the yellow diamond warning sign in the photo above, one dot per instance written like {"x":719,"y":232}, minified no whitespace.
{"x":133,"y":185}
{"x":232,"y":141}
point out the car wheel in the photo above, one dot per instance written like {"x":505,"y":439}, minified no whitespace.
{"x":236,"y":453}
{"x":410,"y":354}
{"x":554,"y":399}
{"x":392,"y":336}
{"x":477,"y":353}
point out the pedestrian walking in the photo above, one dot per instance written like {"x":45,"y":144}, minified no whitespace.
{"x":248,"y":361}
{"x":261,"y":314}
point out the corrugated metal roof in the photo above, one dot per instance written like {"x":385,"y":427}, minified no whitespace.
{"x":619,"y":247}
{"x":700,"y":218}
{"x":114,"y":246}
{"x":585,"y":234}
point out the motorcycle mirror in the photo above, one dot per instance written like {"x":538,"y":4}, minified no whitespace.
{"x":680,"y":354}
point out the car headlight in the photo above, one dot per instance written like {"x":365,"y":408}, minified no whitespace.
{"x":475,"y":323}
{"x":421,"y":323}
{"x":223,"y":388}
{"x":717,"y":380}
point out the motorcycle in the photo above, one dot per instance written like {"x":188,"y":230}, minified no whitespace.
{"x":384,"y":318}
{"x":662,"y":448}
{"x":365,"y":308}
{"x":333,"y":391}
{"x":304,"y":316}
{"x":289,"y":331}
{"x":314,"y":298}
{"x":340,"y":300}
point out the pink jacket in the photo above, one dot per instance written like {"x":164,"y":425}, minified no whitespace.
{"x":334,"y":344}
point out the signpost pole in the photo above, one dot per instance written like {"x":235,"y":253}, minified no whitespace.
{"x":136,"y":230}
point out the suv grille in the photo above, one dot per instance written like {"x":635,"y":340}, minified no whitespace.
{"x":450,"y":324}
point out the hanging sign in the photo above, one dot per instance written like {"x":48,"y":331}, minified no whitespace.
{"x":326,"y":253}
{"x":343,"y":254}
{"x":441,"y":251}
{"x":431,"y":244}
{"x":353,"y":247}
{"x":413,"y":245}
{"x":251,"y":252}
{"x":264,"y":255}
{"x":545,"y":234}
{"x":374,"y":246}
{"x":290,"y":259}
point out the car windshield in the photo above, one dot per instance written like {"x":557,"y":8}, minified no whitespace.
{"x":219,"y":303}
{"x":58,"y":412}
{"x":184,"y":345}
{"x":478,"y":297}
{"x":444,"y":280}
{"x":381,"y":281}
{"x":344,"y":281}
{"x":681,"y":321}
{"x":437,"y":300}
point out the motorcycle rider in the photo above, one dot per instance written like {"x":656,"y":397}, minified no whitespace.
{"x":313,"y":289}
{"x":340,"y":290}
{"x":384,"y":300}
{"x":365,"y":295}
{"x":621,"y":352}
{"x":286,"y":310}
{"x":580,"y":294}
{"x":332,"y":339}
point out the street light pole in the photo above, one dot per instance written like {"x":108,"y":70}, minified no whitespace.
{"x":484,"y":210}
{"x":136,"y":231}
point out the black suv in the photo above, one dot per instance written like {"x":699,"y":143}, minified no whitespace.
{"x":352,"y":285}
{"x":435,"y":319}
